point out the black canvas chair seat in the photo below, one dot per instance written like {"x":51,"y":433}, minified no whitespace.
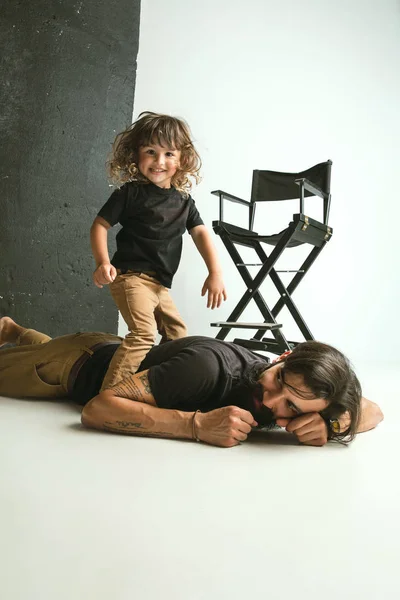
{"x":272,"y":186}
{"x":241,"y":236}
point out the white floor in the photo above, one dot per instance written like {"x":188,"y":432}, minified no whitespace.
{"x":89,"y":515}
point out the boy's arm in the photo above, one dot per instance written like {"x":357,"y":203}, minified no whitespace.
{"x":214,"y":284}
{"x":104,"y":273}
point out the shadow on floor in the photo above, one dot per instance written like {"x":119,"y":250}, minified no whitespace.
{"x":278,"y":437}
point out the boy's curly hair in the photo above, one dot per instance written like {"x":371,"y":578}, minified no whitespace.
{"x":152,"y":128}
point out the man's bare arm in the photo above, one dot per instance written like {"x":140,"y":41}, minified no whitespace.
{"x":109,"y":412}
{"x":226,"y":427}
{"x":316,"y":433}
{"x":136,"y":388}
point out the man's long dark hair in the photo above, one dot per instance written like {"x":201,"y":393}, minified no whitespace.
{"x":329,"y":375}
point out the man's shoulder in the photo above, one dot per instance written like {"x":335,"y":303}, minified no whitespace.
{"x":203,"y":344}
{"x":232,"y":355}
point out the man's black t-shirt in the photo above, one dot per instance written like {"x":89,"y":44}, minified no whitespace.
{"x":91,"y":374}
{"x":153,"y":222}
{"x":199,"y":373}
{"x":187,"y":374}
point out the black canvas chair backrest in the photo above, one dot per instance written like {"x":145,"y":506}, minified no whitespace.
{"x":274,"y":185}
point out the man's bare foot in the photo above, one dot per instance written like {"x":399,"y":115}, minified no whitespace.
{"x":9,"y":331}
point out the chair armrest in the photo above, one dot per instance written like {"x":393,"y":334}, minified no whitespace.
{"x":311,"y":187}
{"x":230,"y":197}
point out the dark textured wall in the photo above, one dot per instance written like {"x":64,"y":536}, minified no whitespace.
{"x":68,"y":77}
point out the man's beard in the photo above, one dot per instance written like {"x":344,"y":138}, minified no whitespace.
{"x":264,"y":413}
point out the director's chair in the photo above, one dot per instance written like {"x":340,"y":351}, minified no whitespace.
{"x":274,"y":186}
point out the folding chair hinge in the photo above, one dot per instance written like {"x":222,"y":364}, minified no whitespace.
{"x":305,"y":224}
{"x":328,"y":233}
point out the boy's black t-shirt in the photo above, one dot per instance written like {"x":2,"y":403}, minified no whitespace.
{"x":153,"y":222}
{"x":187,"y":374}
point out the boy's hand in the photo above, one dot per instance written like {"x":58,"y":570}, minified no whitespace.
{"x":215,"y":287}
{"x":104,"y":274}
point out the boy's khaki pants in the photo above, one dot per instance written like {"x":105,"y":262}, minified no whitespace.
{"x":146,"y":307}
{"x":40,"y":366}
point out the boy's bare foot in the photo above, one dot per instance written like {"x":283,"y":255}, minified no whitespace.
{"x":9,"y":331}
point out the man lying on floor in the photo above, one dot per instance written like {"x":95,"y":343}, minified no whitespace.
{"x":196,"y":387}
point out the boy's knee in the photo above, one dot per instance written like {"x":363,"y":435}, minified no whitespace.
{"x":178,"y":331}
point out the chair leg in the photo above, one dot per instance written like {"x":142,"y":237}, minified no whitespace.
{"x":286,"y":299}
{"x":297,"y":278}
{"x":253,"y":293}
{"x":316,"y":237}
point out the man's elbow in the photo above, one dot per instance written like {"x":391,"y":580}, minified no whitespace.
{"x":379,"y":416}
{"x":93,"y":413}
{"x":371,"y":417}
{"x":376,"y":415}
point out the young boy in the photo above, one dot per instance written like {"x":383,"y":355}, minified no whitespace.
{"x":154,"y":160}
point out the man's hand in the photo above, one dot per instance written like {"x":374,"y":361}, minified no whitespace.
{"x":225,"y":427}
{"x":215,"y":287}
{"x":310,"y":429}
{"x":104,"y":274}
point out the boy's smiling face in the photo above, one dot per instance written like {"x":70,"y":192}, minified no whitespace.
{"x":159,"y":164}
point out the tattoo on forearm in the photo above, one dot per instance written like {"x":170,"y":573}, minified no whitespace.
{"x":128,"y":424}
{"x":132,"y":428}
{"x":129,"y":389}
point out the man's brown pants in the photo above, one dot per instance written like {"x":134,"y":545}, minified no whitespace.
{"x":40,"y":366}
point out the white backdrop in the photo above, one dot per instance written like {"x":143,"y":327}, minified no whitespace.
{"x":283,"y":86}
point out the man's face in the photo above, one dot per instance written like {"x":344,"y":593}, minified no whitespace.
{"x":279,"y":397}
